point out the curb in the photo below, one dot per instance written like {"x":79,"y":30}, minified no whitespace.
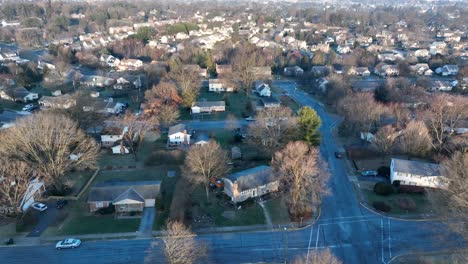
{"x":397,"y":218}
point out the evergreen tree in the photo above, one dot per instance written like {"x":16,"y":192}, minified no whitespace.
{"x":309,"y":122}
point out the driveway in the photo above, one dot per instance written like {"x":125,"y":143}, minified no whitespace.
{"x":45,"y":219}
{"x":147,"y":220}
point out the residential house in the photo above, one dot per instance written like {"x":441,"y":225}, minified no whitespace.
{"x":120,"y":148}
{"x":322,"y":84}
{"x":441,"y":86}
{"x":110,"y":140}
{"x":270,"y":102}
{"x":200,"y":138}
{"x":216,"y":85}
{"x":438,"y":48}
{"x":261,"y":72}
{"x":223,"y":69}
{"x":208,"y":107}
{"x":447,"y":70}
{"x":178,"y":135}
{"x":96,"y":81}
{"x":293,"y":71}
{"x":262,"y":89}
{"x":422,"y":53}
{"x":128,"y":82}
{"x":196,"y":68}
{"x":359,"y":71}
{"x":341,"y":49}
{"x":19,"y":94}
{"x":387,"y":70}
{"x":61,"y":102}
{"x":129,"y":65}
{"x":251,"y":183}
{"x":422,"y":69}
{"x":109,"y":60}
{"x":127,"y":197}
{"x":417,"y":173}
{"x":123,"y":29}
{"x":319,"y":70}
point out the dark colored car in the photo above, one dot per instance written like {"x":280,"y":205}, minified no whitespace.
{"x":9,"y":242}
{"x":61,"y":203}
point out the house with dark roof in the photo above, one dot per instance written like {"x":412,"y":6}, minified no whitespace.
{"x":127,"y":197}
{"x":417,"y":173}
{"x":251,"y":183}
{"x":208,"y":107}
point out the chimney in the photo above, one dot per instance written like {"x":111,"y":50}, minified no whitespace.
{"x":235,"y":190}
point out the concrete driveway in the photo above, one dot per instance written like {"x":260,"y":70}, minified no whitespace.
{"x":147,"y":220}
{"x":45,"y":219}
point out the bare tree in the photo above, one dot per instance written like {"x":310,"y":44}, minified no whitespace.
{"x":361,"y":111}
{"x":244,"y":58}
{"x":51,"y":144}
{"x":401,"y":114}
{"x":444,"y":114}
{"x":318,"y":257}
{"x":302,"y":177}
{"x":136,"y":128}
{"x":15,"y":177}
{"x":204,"y":162}
{"x":188,"y":82}
{"x":415,"y":139}
{"x":272,"y":128}
{"x":162,"y":103}
{"x":179,"y":245}
{"x":452,"y":202}
{"x":385,"y":139}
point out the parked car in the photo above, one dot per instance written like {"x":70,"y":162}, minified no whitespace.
{"x":369,"y":173}
{"x":39,"y":206}
{"x":61,"y":203}
{"x":27,"y":107}
{"x":249,"y":119}
{"x":340,"y":153}
{"x":9,"y":242}
{"x":217,"y":182}
{"x":68,"y":243}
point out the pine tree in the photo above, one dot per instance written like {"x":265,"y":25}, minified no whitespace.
{"x":309,"y":122}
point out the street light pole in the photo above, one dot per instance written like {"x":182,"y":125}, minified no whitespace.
{"x":286,"y":246}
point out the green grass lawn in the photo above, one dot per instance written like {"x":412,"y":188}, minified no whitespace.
{"x":278,"y":211}
{"x":78,"y":179}
{"x":251,"y":214}
{"x":6,"y":104}
{"x":107,"y":160}
{"x":163,"y":203}
{"x":422,"y":204}
{"x":99,"y":224}
{"x":147,"y":174}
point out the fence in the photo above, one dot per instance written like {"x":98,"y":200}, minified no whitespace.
{"x":78,"y":196}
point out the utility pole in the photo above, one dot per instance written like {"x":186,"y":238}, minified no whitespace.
{"x":286,"y":246}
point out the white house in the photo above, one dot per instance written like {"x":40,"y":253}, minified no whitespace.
{"x":61,"y":102}
{"x":216,"y":85}
{"x":178,"y":135}
{"x":293,"y":71}
{"x":262,"y":89}
{"x":110,"y":140}
{"x":109,"y":60}
{"x":416,"y":173}
{"x":250,"y":183}
{"x":120,"y":149}
{"x":208,"y":107}
{"x":129,"y":65}
{"x":448,"y":70}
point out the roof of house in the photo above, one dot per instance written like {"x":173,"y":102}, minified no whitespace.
{"x":365,"y":85}
{"x":253,"y":177}
{"x":416,"y":167}
{"x":270,"y":101}
{"x":114,"y":191}
{"x":209,"y":103}
{"x":176,"y":129}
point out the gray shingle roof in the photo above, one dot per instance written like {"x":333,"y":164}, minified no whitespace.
{"x":115,"y":190}
{"x":176,"y":129}
{"x":253,"y":177}
{"x":129,"y":194}
{"x":416,"y":167}
{"x":209,"y":103}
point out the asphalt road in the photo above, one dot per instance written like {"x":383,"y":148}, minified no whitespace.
{"x":354,"y":234}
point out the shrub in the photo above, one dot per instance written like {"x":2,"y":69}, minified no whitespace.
{"x":384,"y":171}
{"x":106,"y":210}
{"x":383,"y":188}
{"x":406,"y":204}
{"x":382,"y":206}
{"x":410,"y":189}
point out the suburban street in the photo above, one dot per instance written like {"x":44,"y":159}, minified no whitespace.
{"x":355,"y":234}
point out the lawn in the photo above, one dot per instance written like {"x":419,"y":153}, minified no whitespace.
{"x":147,"y":174}
{"x":78,"y":179}
{"x":278,"y":211}
{"x":6,"y":104}
{"x":236,"y":104}
{"x":422,"y":204}
{"x":433,"y":258}
{"x":99,"y":224}
{"x":249,"y":214}
{"x":107,"y":160}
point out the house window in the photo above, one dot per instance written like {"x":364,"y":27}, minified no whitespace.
{"x":99,"y":204}
{"x":177,"y":137}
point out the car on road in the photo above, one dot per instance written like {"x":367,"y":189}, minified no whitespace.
{"x":28,"y":107}
{"x":61,"y":203}
{"x":39,"y":206}
{"x":249,"y":119}
{"x":340,"y":153}
{"x":369,"y":173}
{"x":68,"y":243}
